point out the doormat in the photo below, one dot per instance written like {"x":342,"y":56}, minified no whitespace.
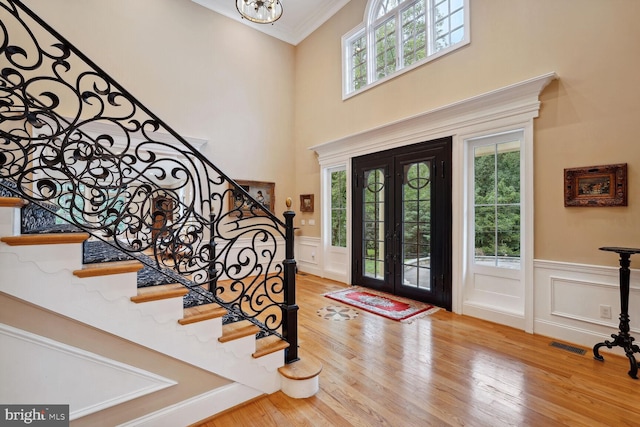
{"x":390,"y":306}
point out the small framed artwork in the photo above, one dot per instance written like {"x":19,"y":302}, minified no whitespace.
{"x":306,"y":203}
{"x":604,"y":185}
{"x":263,"y":194}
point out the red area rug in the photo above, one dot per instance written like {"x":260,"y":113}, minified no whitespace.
{"x":385,"y":305}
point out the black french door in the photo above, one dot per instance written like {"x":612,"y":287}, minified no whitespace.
{"x":402,"y":221}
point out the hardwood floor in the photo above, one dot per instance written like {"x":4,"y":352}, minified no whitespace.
{"x":442,"y":370}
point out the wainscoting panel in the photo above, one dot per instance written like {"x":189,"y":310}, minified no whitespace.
{"x":570,"y":300}
{"x":581,"y":300}
{"x":308,"y":252}
{"x":38,"y":369}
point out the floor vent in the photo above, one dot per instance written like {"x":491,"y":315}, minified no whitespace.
{"x":572,"y":349}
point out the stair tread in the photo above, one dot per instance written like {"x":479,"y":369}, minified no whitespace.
{"x":269,"y":345}
{"x":202,"y":312}
{"x":45,"y":239}
{"x":236,"y":330}
{"x":12,"y":202}
{"x":160,"y":292}
{"x":305,"y":368}
{"x":108,"y":268}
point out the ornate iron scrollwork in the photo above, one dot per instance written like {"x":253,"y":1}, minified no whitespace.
{"x":140,"y":193}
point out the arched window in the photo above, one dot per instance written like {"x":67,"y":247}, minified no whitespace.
{"x":398,"y":35}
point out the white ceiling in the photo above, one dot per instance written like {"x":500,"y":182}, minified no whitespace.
{"x":299,"y":18}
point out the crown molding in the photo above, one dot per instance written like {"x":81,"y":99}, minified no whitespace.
{"x":518,"y":98}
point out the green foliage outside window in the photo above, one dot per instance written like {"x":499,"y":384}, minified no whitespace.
{"x":359,"y":62}
{"x":400,"y":34}
{"x":339,"y":208}
{"x":497,"y":203}
{"x":416,"y":198}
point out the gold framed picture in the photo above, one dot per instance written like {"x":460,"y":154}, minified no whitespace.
{"x":306,"y":203}
{"x":604,"y":185}
{"x":263,"y":194}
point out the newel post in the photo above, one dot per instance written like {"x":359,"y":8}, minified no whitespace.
{"x":290,"y":309}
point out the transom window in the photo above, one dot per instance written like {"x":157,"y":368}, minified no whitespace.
{"x":398,"y":35}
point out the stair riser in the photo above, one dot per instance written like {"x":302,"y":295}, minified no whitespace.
{"x":271,"y":359}
{"x":163,"y":311}
{"x":49,"y":258}
{"x":207,"y":330}
{"x":124,"y":287}
{"x":242,"y":347}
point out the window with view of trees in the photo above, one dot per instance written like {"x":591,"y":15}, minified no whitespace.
{"x":339,"y":208}
{"x":401,"y":34}
{"x":497,"y":204}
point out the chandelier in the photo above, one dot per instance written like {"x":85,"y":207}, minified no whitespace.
{"x":260,"y":11}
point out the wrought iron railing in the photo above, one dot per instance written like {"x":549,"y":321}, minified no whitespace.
{"x":73,"y":137}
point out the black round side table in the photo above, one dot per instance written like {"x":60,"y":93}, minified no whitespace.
{"x":623,"y":339}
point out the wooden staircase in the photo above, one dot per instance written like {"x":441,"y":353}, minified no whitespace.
{"x":195,"y":335}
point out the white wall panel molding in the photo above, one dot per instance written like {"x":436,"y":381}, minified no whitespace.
{"x":580,"y":300}
{"x":35,"y":369}
{"x":308,"y":253}
{"x":570,"y":299}
{"x":580,"y":268}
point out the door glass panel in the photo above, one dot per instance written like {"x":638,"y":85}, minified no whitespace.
{"x":416,"y":225}
{"x":373,"y":223}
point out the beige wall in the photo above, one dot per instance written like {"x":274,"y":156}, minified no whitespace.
{"x":587,"y":116}
{"x":205,"y":75}
{"x":191,"y":381}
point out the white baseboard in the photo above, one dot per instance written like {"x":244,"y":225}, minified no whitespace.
{"x":338,"y":276}
{"x":579,"y":336}
{"x":493,"y":314}
{"x":197,"y":408}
